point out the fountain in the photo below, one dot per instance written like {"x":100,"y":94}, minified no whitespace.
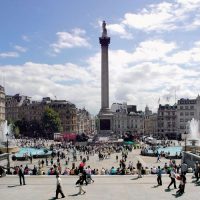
{"x":192,"y":155}
{"x":194,"y":135}
{"x":6,"y":129}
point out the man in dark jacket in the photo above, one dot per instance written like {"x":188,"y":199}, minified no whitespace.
{"x":21,"y":175}
{"x":139,"y":168}
{"x":80,"y":183}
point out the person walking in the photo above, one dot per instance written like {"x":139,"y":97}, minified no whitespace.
{"x":173,"y":178}
{"x":59,"y":187}
{"x":2,"y":171}
{"x":139,"y":168}
{"x":116,"y":158}
{"x":182,"y":179}
{"x":89,"y":174}
{"x":196,"y":171}
{"x":47,"y":162}
{"x":21,"y":175}
{"x":42,"y":162}
{"x":85,"y":176}
{"x":159,"y":176}
{"x":80,"y":183}
{"x":184,"y":168}
{"x":158,"y":158}
{"x":51,"y":161}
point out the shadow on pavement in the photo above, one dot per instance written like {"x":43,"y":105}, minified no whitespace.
{"x":74,"y":195}
{"x":52,"y":198}
{"x":11,"y":186}
{"x":177,"y":195}
{"x":197,"y":183}
{"x":167,"y":190}
{"x":155,"y":186}
{"x":136,"y":178}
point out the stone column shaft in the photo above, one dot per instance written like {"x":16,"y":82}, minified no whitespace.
{"x":104,"y":78}
{"x":104,"y":41}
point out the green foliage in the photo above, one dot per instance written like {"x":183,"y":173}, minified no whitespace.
{"x":49,"y":124}
{"x":22,"y":125}
{"x":51,"y":121}
{"x":16,"y":132}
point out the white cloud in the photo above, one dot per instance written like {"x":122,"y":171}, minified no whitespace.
{"x":139,"y":77}
{"x":186,"y":57}
{"x":75,"y":38}
{"x":160,"y":17}
{"x":25,"y":38}
{"x":119,"y":29}
{"x":20,"y":48}
{"x":9,"y":54}
{"x":66,"y":81}
{"x":150,"y":50}
{"x":157,"y":17}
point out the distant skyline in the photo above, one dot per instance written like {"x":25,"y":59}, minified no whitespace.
{"x":51,"y":48}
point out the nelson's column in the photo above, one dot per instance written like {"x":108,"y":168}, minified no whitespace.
{"x":105,"y":115}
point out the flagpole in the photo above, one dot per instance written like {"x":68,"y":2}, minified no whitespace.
{"x":175,"y":96}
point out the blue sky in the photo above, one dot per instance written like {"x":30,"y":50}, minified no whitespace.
{"x":50,"y":48}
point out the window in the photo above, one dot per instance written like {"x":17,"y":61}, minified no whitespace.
{"x":187,"y":113}
{"x":181,"y":120}
{"x":181,"y":114}
{"x":182,"y":127}
{"x":191,"y":107}
{"x":186,"y":107}
{"x":192,"y":113}
{"x":181,"y":107}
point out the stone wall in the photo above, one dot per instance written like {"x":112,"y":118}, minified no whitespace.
{"x":190,"y":158}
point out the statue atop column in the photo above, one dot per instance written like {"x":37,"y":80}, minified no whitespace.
{"x":104,"y":33}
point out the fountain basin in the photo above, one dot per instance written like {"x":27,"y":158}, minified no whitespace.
{"x":36,"y":153}
{"x":193,"y":142}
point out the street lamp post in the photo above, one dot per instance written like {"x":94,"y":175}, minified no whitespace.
{"x":8,"y":163}
{"x":185,"y":137}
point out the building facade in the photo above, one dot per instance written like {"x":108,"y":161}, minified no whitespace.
{"x":167,"y":122}
{"x":2,"y":103}
{"x":150,"y":125}
{"x":85,"y":122}
{"x":187,"y":109}
{"x":127,"y":119}
{"x":21,"y":107}
{"x":13,"y":104}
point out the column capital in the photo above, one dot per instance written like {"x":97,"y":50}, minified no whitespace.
{"x":104,"y":41}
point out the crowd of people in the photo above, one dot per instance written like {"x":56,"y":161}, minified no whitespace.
{"x":61,"y":152}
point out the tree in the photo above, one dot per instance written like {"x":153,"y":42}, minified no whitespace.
{"x":23,"y":126}
{"x":35,"y":128}
{"x":51,"y":122}
{"x":16,"y":132}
